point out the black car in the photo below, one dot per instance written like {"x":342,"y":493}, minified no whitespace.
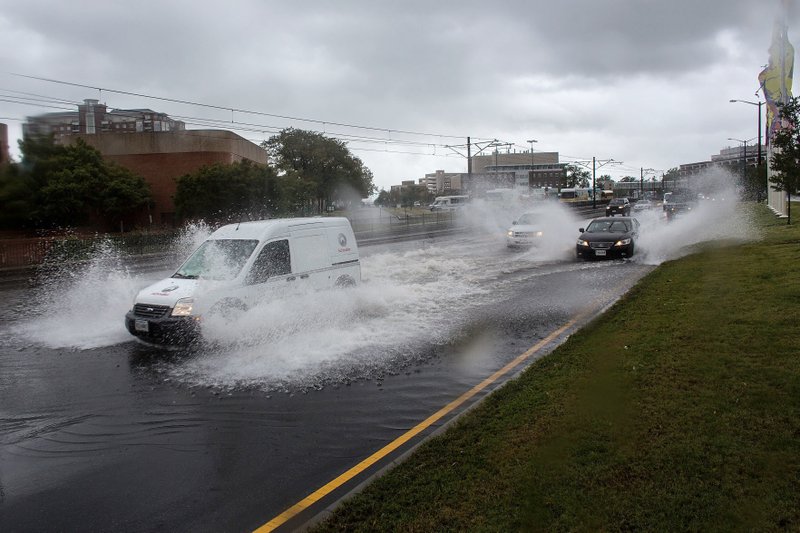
{"x":608,"y":237}
{"x":679,"y":205}
{"x":618,"y":206}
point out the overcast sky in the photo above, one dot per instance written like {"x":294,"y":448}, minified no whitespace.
{"x":645,"y":82}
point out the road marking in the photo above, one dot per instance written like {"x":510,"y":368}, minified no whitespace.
{"x":326,"y":489}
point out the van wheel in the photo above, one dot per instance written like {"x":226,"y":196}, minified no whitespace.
{"x":345,"y":282}
{"x":230,"y":309}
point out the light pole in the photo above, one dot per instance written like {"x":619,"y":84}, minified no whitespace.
{"x":757,"y":104}
{"x":744,"y":156}
{"x":531,"y":141}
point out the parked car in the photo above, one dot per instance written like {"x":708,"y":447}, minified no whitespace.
{"x":240,"y":265}
{"x":618,"y":206}
{"x":608,"y":237}
{"x":449,"y":203}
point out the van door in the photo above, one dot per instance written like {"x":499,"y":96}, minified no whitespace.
{"x":271,"y":272}
{"x":310,"y":257}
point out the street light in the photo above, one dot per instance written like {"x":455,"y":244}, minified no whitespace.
{"x":757,"y":104}
{"x":531,"y":141}
{"x":744,"y":156}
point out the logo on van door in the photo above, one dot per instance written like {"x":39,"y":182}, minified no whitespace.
{"x":343,"y":243}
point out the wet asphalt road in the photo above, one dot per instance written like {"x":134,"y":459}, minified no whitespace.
{"x":102,"y":439}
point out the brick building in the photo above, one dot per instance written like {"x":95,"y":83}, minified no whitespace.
{"x":162,"y":157}
{"x":92,"y":117}
{"x":529,"y":170}
{"x":5,"y":157}
{"x":150,"y":144}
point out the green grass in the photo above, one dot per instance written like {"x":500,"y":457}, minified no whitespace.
{"x":678,"y":409}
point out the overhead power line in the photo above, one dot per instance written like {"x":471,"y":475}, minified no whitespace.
{"x":235,"y":110}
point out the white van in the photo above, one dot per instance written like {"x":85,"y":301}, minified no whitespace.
{"x":240,"y":265}
{"x":448,"y":203}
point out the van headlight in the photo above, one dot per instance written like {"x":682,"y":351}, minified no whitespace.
{"x":622,"y":242}
{"x":183,"y":307}
{"x":581,"y":242}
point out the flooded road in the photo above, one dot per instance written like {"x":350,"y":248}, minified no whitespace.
{"x":98,"y":432}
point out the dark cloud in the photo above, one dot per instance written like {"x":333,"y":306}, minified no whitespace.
{"x":584,"y":76}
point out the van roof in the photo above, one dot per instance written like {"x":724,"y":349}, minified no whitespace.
{"x":260,"y":229}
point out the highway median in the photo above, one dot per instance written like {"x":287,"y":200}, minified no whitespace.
{"x":677,"y":409}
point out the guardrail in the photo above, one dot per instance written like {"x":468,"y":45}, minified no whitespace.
{"x":370,"y":225}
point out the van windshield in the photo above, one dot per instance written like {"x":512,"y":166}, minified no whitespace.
{"x":218,"y":259}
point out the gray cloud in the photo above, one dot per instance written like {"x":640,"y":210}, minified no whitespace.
{"x":583,"y":76}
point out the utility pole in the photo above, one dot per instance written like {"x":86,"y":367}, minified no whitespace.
{"x":641,"y":180}
{"x":469,"y":162}
{"x":481,"y":146}
{"x":595,"y":165}
{"x":531,"y":175}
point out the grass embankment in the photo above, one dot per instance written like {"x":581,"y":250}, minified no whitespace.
{"x":678,"y":409}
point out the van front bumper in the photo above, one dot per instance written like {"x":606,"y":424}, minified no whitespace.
{"x":165,"y":330}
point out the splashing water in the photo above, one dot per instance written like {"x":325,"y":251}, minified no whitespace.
{"x":82,"y":306}
{"x":408,"y":299}
{"x":718,"y":218}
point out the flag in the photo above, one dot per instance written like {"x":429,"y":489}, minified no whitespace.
{"x":776,"y":79}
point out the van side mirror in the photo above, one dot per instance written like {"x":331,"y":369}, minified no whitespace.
{"x":581,"y":230}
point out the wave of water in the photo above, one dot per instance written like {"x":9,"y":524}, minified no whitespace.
{"x":407,"y":299}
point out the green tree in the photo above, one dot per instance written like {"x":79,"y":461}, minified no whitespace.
{"x":226,"y":192}
{"x":577,"y":176}
{"x":786,"y":151}
{"x":16,"y":197}
{"x":334,"y":174}
{"x":70,"y":185}
{"x":383,"y":199}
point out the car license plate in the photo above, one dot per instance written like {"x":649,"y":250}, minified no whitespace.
{"x":142,"y":325}
{"x":599,"y":252}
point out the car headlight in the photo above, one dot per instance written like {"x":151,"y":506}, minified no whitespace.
{"x":183,"y":307}
{"x":510,"y":233}
{"x":539,"y":233}
{"x":622,"y":242}
{"x":581,"y":242}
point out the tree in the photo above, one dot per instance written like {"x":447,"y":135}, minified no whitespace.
{"x":71,"y":185}
{"x":228,"y":192}
{"x":335,"y":175}
{"x":786,"y":151}
{"x":383,"y":199}
{"x":577,"y":176}
{"x":670,"y":178}
{"x":16,"y":197}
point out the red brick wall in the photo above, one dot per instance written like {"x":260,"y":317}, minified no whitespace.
{"x":161,"y":171}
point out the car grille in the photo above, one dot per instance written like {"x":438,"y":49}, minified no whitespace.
{"x":601,"y":245}
{"x":150,"y":311}
{"x":524,"y":234}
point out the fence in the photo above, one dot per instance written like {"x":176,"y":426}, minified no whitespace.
{"x":24,"y":252}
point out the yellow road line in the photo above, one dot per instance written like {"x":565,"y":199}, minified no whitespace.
{"x":326,"y":489}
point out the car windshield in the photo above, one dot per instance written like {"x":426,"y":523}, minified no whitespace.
{"x":528,"y":218}
{"x":617,"y":201}
{"x":218,"y":259}
{"x":608,"y":226}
